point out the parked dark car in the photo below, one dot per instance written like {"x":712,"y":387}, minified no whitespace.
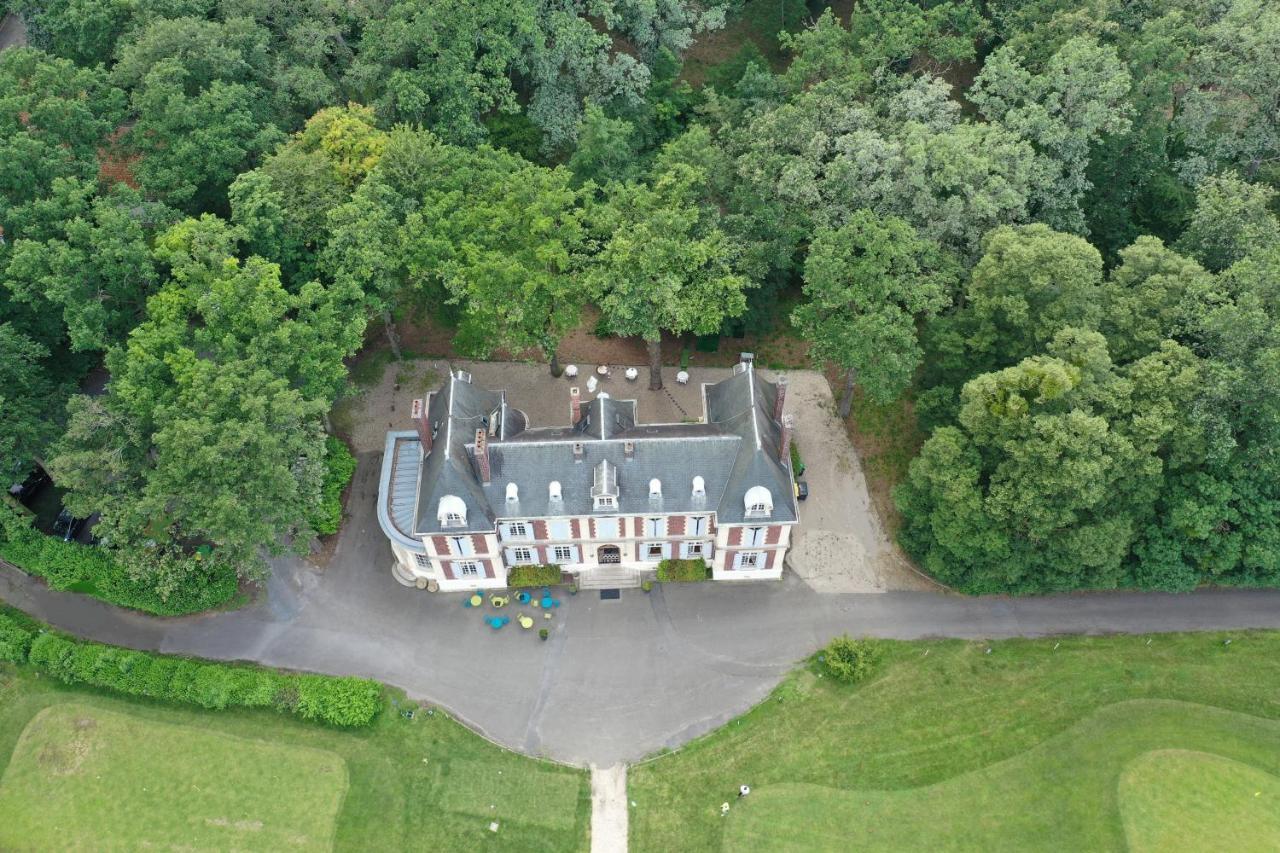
{"x":67,"y":525}
{"x":27,"y":488}
{"x":802,"y":490}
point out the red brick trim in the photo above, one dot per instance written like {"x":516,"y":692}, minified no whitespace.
{"x":478,"y":543}
{"x":575,"y":528}
{"x":772,"y":535}
{"x":675,"y":525}
{"x":447,"y":568}
{"x":769,"y":558}
{"x":540,"y":531}
{"x":487,"y":567}
{"x":441,"y":546}
{"x":735,"y":535}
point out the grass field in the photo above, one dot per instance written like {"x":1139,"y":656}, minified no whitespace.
{"x":1178,"y":799}
{"x":81,"y":775}
{"x":85,"y":769}
{"x":1071,"y":744}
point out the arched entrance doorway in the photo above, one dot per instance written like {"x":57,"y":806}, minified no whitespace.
{"x":609,"y":554}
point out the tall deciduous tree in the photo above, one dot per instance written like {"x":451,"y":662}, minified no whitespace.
{"x":1231,"y":219}
{"x":502,"y":237}
{"x":663,"y":263}
{"x":1081,"y":95}
{"x":867,"y":283}
{"x":96,"y":268}
{"x":210,"y":430}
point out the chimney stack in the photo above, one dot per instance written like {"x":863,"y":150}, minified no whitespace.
{"x":419,"y":416}
{"x":784,"y":451}
{"x":575,"y":406}
{"x":780,"y":403}
{"x":482,"y":455}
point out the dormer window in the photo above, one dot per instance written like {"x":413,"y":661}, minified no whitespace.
{"x":699,"y":487}
{"x":553,"y":491}
{"x":452,"y":512}
{"x":759,"y":502}
{"x":655,"y":488}
{"x":604,"y":491}
{"x":513,"y":493}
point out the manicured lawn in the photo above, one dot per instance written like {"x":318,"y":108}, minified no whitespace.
{"x":1182,"y":800}
{"x":82,"y":777}
{"x":949,"y":747}
{"x":421,"y":784}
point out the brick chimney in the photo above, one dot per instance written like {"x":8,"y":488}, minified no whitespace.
{"x":419,"y":416}
{"x":780,"y":403}
{"x":482,"y":455}
{"x":784,"y":449}
{"x":575,"y":405}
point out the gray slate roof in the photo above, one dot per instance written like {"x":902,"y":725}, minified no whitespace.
{"x":736,"y":449}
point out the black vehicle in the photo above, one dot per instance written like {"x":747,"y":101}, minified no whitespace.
{"x":34,"y":482}
{"x":802,"y":490}
{"x":67,"y":524}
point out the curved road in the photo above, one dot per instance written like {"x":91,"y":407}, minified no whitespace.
{"x":618,"y":679}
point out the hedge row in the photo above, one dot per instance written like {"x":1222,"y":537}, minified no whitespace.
{"x":15,"y":640}
{"x":337,"y":701}
{"x":94,"y":571}
{"x":339,"y":466}
{"x":522,"y":576}
{"x":682,"y":570}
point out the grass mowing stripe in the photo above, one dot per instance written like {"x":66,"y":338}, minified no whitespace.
{"x":1060,"y":795}
{"x":936,"y":710}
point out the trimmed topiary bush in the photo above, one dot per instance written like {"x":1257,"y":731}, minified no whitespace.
{"x":338,"y":701}
{"x":849,"y":660}
{"x":523,"y":576}
{"x":683,"y":571}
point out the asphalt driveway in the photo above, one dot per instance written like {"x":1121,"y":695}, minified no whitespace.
{"x":618,"y":679}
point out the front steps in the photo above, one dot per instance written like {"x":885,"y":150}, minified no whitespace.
{"x":609,"y":577}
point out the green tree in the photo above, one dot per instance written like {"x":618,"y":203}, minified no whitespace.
{"x":29,"y":401}
{"x":1031,"y":282}
{"x":283,"y":206}
{"x":1051,"y":472}
{"x":192,"y":146}
{"x":663,"y":263}
{"x":867,"y":283}
{"x":1231,"y":219}
{"x":210,"y":431}
{"x":1230,"y":115}
{"x":502,"y":237}
{"x":1080,"y":96}
{"x":97,"y":271}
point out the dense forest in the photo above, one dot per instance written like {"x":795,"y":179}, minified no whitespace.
{"x":1051,"y":224}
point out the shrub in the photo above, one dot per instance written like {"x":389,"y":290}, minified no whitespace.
{"x":797,"y":464}
{"x":682,"y":570}
{"x":15,"y":640}
{"x":523,"y":576}
{"x":95,"y":571}
{"x":337,"y":701}
{"x":850,"y":660}
{"x":339,"y":466}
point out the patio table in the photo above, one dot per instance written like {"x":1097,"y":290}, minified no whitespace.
{"x":477,"y":600}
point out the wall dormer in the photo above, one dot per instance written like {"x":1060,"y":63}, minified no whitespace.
{"x":452,"y":512}
{"x":604,"y":492}
{"x":759,"y":502}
